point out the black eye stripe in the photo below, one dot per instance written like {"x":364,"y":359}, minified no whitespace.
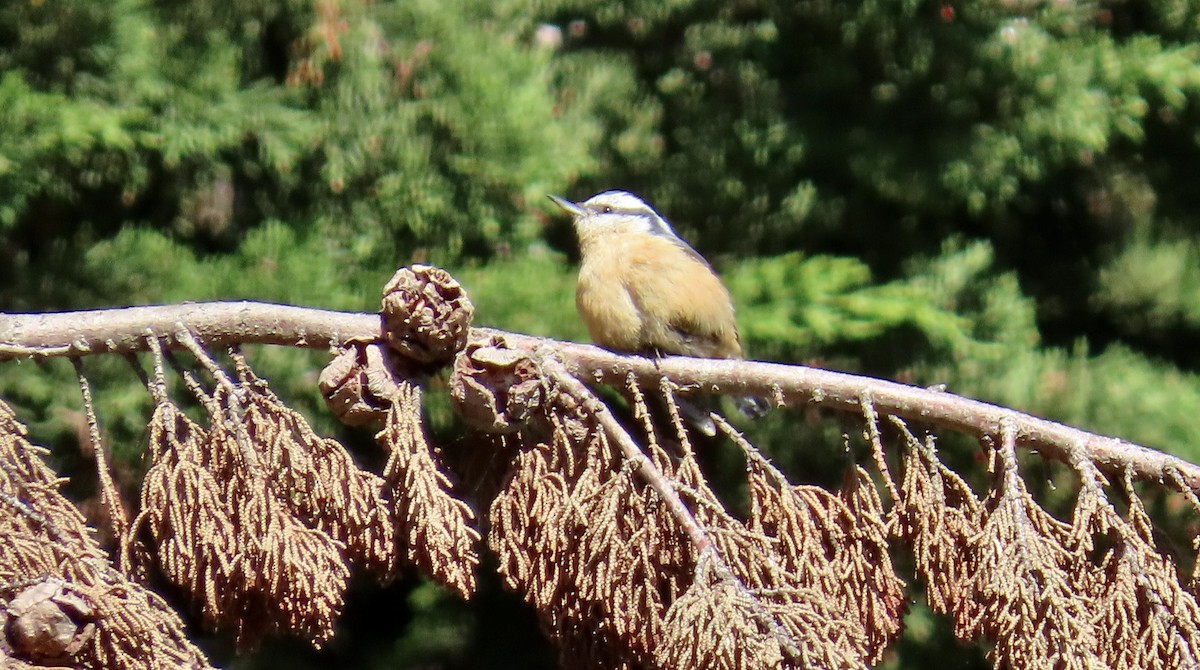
{"x":631,"y":211}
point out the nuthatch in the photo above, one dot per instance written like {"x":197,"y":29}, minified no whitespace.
{"x":643,"y":290}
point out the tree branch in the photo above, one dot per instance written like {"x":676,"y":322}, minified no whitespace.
{"x":844,"y":392}
{"x":226,"y":323}
{"x":213,"y":324}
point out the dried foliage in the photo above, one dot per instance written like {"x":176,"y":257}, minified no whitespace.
{"x":713,"y":626}
{"x":260,"y":519}
{"x":110,"y":497}
{"x":624,"y":578}
{"x":837,"y":546}
{"x":61,"y":600}
{"x":612,"y":532}
{"x":939,"y":517}
{"x":369,"y":383}
{"x":588,"y":545}
{"x":323,"y":486}
{"x":1046,"y":592}
{"x":255,"y":515}
{"x":1146,"y":619}
{"x":435,"y":527}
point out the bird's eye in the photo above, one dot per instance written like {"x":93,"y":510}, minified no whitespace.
{"x":606,"y":210}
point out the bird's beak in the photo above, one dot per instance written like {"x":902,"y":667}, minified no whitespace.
{"x":567,"y":205}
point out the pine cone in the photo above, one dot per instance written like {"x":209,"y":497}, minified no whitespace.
{"x":359,"y":384}
{"x":495,"y":388}
{"x":426,"y":314}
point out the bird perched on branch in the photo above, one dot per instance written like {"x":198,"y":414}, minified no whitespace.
{"x":643,"y":290}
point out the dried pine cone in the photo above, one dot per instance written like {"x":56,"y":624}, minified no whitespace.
{"x":426,"y":314}
{"x":48,"y":622}
{"x":359,"y":384}
{"x":495,"y":388}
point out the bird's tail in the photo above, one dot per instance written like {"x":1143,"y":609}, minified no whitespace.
{"x":697,"y":410}
{"x":752,"y":406}
{"x":697,"y":413}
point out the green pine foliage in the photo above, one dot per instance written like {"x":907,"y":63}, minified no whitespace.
{"x":997,"y":197}
{"x":533,"y":293}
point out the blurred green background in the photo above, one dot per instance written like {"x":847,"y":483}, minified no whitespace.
{"x":997,"y":196}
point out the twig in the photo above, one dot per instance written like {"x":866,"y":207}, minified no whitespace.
{"x":234,"y":416}
{"x":868,"y":410}
{"x":748,"y":450}
{"x":157,"y":386}
{"x":1011,"y":482}
{"x":1182,"y":487}
{"x":109,"y":496}
{"x":39,"y":519}
{"x":668,"y":393}
{"x":641,"y":410}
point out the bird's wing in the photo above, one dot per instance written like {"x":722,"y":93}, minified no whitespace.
{"x":685,"y":309}
{"x":668,"y":234}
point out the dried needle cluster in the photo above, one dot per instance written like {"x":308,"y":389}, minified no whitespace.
{"x":811,"y":564}
{"x":436,"y":529}
{"x":1044,"y":591}
{"x":595,"y":532}
{"x":260,"y":519}
{"x":588,"y":544}
{"x":61,"y":601}
{"x":248,"y":510}
{"x":252,"y":513}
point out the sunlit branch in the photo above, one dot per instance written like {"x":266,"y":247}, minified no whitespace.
{"x":228,"y":323}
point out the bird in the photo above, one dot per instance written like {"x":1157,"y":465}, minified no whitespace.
{"x":643,"y":290}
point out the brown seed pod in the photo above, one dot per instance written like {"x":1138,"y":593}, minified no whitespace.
{"x":359,"y":384}
{"x":49,"y":622}
{"x":496,"y":389}
{"x":426,"y":314}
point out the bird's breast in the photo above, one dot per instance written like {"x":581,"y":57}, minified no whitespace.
{"x":649,"y":294}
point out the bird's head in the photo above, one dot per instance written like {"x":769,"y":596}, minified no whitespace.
{"x":614,"y":212}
